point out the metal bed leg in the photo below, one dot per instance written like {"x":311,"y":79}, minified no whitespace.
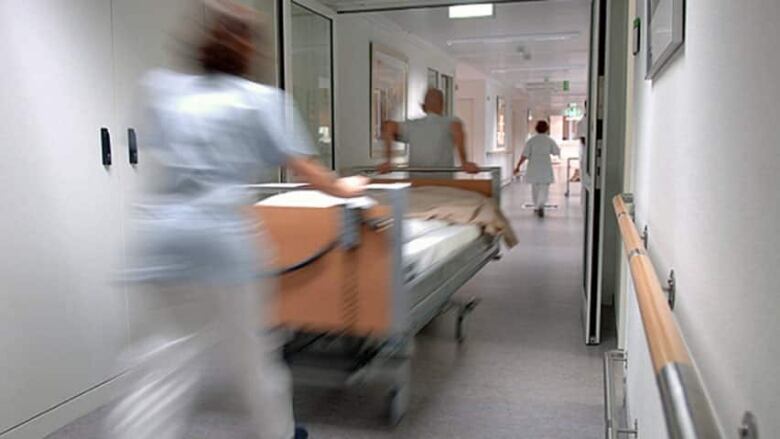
{"x":399,"y":395}
{"x":464,"y":309}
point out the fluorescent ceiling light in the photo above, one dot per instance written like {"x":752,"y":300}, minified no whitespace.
{"x":472,"y":11}
{"x":546,"y":36}
{"x":538,"y":69}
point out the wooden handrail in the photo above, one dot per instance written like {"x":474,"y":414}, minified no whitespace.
{"x":687,"y":409}
{"x":663,"y":335}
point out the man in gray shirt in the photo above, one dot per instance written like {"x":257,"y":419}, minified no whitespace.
{"x":431,"y":139}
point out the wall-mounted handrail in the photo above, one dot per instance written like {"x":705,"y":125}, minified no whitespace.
{"x":688,"y":411}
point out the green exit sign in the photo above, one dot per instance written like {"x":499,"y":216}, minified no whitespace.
{"x":566,"y":86}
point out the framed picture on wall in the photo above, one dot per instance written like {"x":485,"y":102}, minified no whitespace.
{"x":665,"y":28}
{"x":433,"y":78}
{"x":500,"y":123}
{"x":389,"y":75}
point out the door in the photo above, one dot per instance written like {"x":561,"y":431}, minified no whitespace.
{"x":603,"y":167}
{"x":62,"y":319}
{"x":591,"y":310}
{"x":464,"y":110}
{"x":147,"y":34}
{"x":312,"y":77}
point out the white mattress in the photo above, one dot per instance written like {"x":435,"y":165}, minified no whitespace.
{"x":306,"y":198}
{"x":426,"y":242}
{"x":430,"y":242}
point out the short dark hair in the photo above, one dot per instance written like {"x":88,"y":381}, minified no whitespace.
{"x":226,"y":45}
{"x":542,"y":127}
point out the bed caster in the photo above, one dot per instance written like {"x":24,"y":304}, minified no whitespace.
{"x":397,"y":404}
{"x":464,"y":310}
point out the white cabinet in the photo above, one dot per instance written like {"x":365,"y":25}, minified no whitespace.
{"x":62,"y":320}
{"x":70,"y":68}
{"x":147,"y":34}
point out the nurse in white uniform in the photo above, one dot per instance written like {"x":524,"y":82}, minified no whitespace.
{"x":195,"y":286}
{"x":539,"y":174}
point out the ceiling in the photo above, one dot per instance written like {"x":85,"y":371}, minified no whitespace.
{"x":373,"y":5}
{"x":531,"y":45}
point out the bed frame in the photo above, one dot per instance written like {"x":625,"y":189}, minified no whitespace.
{"x":343,"y":294}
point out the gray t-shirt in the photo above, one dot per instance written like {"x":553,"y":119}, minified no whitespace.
{"x":430,"y":141}
{"x":208,"y":136}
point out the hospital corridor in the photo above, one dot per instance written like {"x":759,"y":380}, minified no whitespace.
{"x":485,"y":388}
{"x":376,"y":219}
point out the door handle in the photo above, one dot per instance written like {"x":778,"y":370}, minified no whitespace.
{"x":132,"y":146}
{"x":105,"y":146}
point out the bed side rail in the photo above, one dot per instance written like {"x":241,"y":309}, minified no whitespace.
{"x":494,"y":171}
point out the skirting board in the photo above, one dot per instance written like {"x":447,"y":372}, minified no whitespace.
{"x":61,"y":415}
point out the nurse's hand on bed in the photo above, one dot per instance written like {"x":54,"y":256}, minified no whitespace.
{"x":326,"y":181}
{"x":384,"y":168}
{"x":471,"y":168}
{"x":350,"y":187}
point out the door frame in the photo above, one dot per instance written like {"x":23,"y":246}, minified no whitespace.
{"x":603,"y":172}
{"x":284,"y":9}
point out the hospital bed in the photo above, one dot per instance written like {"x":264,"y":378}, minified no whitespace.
{"x":359,"y":280}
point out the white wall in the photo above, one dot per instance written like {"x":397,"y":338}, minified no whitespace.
{"x":706,"y":160}
{"x":354,"y":33}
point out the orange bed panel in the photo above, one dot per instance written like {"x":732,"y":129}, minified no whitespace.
{"x":348,"y":291}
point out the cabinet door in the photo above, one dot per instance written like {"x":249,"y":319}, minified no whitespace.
{"x":62,"y":318}
{"x":147,"y":34}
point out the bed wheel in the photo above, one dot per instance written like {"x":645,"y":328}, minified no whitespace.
{"x":397,"y":404}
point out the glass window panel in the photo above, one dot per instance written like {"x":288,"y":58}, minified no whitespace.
{"x":312,"y":70}
{"x":448,"y":88}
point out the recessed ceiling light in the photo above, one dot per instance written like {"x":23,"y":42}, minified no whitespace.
{"x":537,"y":37}
{"x":538,"y":69}
{"x":472,"y":10}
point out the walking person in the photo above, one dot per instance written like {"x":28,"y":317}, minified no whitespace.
{"x":196,"y":284}
{"x":539,"y":174}
{"x":432,"y":139}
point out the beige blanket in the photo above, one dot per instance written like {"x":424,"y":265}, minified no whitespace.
{"x":460,"y":206}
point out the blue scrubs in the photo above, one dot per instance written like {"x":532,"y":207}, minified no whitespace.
{"x":196,"y":303}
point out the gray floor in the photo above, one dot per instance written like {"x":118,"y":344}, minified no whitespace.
{"x":523,"y":373}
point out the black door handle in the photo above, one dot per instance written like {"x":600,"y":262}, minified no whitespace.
{"x":132,"y":146}
{"x":105,"y":146}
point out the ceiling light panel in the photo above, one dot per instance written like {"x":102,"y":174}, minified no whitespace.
{"x":472,"y":11}
{"x":536,"y":37}
{"x":538,"y":69}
